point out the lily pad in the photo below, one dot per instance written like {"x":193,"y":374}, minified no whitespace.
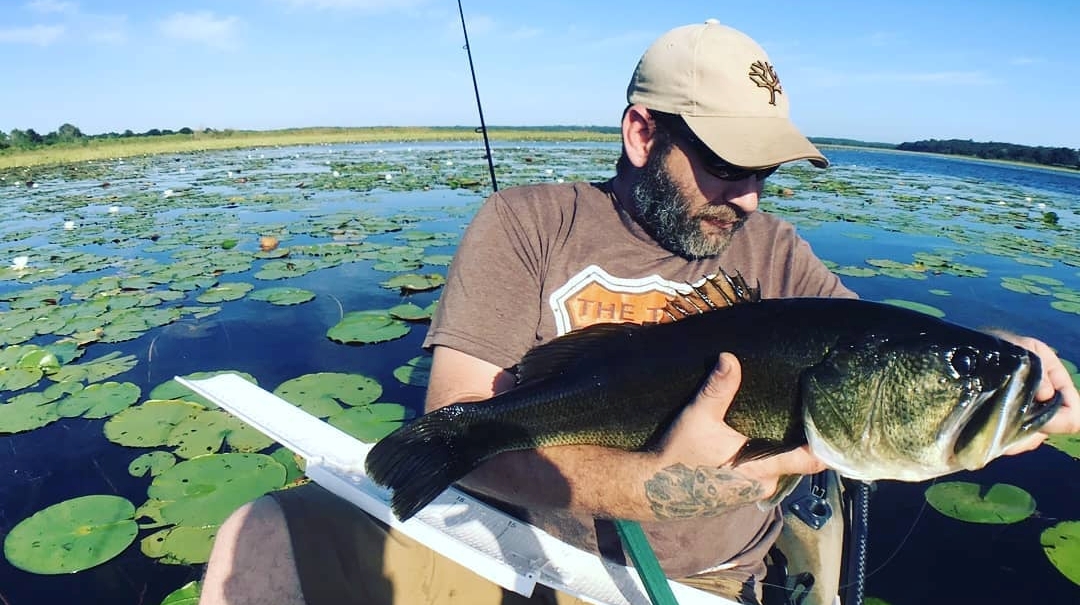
{"x":180,"y":545}
{"x":73,"y":535}
{"x":370,"y":423}
{"x":916,"y":306}
{"x":1066,"y":306}
{"x":293,"y":464}
{"x":1061,"y":543}
{"x":325,"y":393}
{"x":188,"y":594}
{"x":283,"y":295}
{"x":170,"y":389}
{"x":36,"y":409}
{"x":410,"y":312}
{"x":999,"y":504}
{"x":415,"y":372}
{"x":150,"y":423}
{"x":205,"y":490}
{"x":96,"y":370}
{"x":224,"y":292}
{"x":205,"y":432}
{"x":1070,"y":444}
{"x":16,"y":379}
{"x":413,"y":282}
{"x":366,"y":327}
{"x":154,"y":463}
{"x":99,"y":400}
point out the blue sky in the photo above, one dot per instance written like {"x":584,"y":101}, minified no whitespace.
{"x":876,"y":71}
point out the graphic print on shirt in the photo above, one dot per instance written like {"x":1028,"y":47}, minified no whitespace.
{"x":595,"y":296}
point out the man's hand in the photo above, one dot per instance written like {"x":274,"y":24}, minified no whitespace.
{"x":700,"y":442}
{"x":1055,"y":379}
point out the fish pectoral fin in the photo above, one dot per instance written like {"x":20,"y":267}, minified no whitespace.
{"x":756,"y":449}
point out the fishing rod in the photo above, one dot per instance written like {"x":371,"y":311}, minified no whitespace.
{"x":479,"y":107}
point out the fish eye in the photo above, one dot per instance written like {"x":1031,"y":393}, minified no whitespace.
{"x":964,"y":361}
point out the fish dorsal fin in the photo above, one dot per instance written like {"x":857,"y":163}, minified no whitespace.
{"x":565,"y":351}
{"x":714,"y":292}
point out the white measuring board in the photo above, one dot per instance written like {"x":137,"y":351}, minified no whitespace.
{"x":508,"y":552}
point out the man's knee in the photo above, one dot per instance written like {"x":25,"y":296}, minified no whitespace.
{"x":252,"y":559}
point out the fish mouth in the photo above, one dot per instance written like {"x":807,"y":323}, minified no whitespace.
{"x":1001,"y":417}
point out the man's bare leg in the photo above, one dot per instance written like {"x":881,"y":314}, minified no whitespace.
{"x":252,"y":559}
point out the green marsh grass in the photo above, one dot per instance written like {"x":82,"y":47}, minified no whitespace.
{"x":97,"y":149}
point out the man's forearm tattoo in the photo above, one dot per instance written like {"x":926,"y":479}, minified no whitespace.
{"x":680,"y":492}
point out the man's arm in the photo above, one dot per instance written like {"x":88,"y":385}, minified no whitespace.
{"x":607,"y":482}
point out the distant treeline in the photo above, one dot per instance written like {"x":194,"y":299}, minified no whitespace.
{"x":68,"y":135}
{"x":1048,"y":156}
{"x":850,"y":143}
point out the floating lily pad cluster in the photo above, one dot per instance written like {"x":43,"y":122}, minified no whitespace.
{"x":194,"y":485}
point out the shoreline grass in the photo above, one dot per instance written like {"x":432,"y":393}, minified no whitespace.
{"x":98,"y":149}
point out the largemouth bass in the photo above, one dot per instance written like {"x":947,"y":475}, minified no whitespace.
{"x":878,"y":391}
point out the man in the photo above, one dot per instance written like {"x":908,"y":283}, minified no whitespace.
{"x":706,"y":124}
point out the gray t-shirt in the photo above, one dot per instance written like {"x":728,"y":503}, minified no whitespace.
{"x":541,"y":260}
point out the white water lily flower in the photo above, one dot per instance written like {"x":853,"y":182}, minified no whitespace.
{"x":114,"y":209}
{"x":69,"y":225}
{"x":388,"y":176}
{"x":20,"y":262}
{"x":168,"y":193}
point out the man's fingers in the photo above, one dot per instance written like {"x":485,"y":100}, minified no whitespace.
{"x":796,"y":462}
{"x":721,"y":385}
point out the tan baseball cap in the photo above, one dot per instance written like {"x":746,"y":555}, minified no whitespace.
{"x":722,"y":83}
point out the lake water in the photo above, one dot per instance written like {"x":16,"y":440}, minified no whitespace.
{"x":987,"y":244}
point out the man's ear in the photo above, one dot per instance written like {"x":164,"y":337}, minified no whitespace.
{"x":637,"y":133}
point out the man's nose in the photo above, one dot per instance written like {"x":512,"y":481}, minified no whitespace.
{"x":743,"y":194}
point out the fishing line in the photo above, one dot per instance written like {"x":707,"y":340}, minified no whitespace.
{"x":479,"y":107}
{"x":896,"y":551}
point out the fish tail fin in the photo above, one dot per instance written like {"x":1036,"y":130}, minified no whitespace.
{"x":420,"y":460}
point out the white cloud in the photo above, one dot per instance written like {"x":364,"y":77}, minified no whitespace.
{"x":53,"y":6}
{"x":1024,"y":61}
{"x":40,"y":35}
{"x":202,"y":27}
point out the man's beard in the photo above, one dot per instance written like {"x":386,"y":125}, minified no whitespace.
{"x":664,"y":212}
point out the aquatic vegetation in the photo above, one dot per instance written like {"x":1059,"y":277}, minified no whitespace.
{"x":916,"y":306}
{"x":1061,"y":542}
{"x":293,"y":263}
{"x":73,"y":535}
{"x":997,"y":504}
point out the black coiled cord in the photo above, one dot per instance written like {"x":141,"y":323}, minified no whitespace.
{"x":858,"y":496}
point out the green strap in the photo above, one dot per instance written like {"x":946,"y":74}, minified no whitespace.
{"x":648,"y":568}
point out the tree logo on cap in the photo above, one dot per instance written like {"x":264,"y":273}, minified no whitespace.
{"x":763,"y":74}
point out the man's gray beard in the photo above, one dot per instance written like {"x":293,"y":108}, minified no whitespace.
{"x":663,"y":211}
